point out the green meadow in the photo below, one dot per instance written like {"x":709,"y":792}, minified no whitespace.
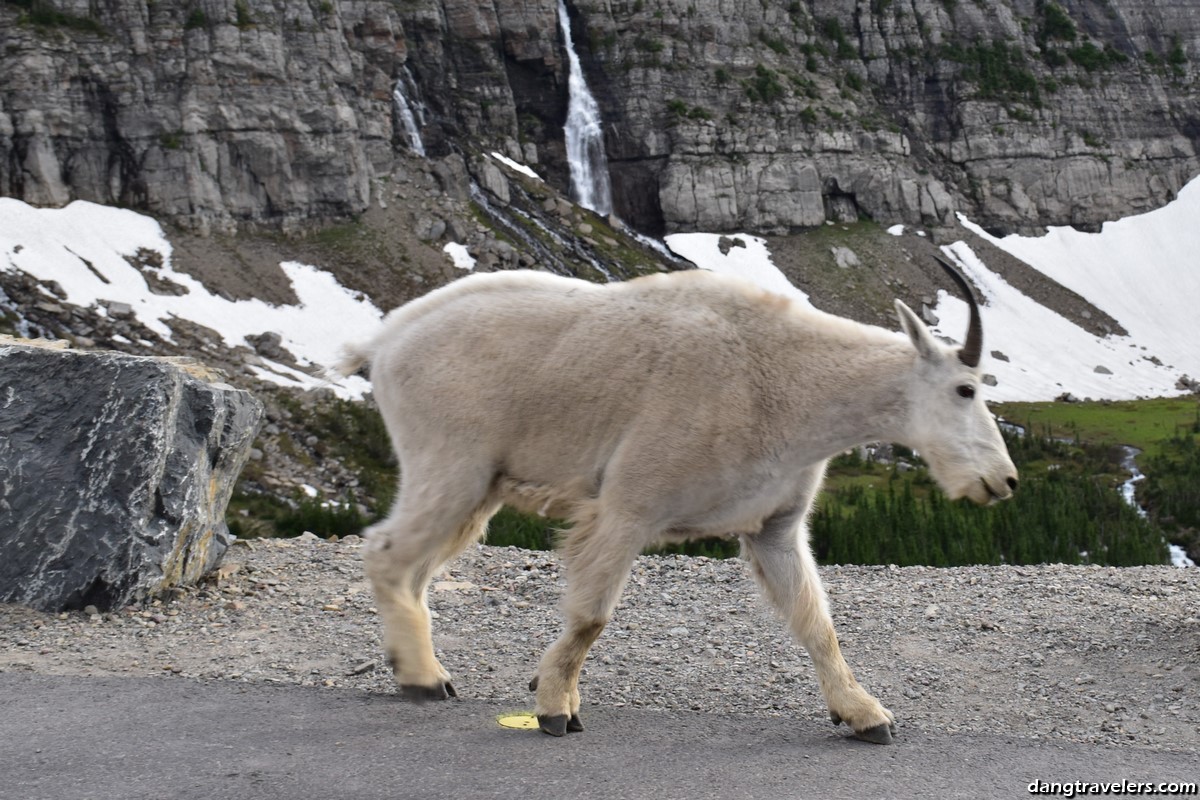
{"x":1144,"y":424}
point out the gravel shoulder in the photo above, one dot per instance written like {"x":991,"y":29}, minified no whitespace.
{"x":1071,"y":654}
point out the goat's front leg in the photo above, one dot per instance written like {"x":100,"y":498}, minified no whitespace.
{"x":599,"y":554}
{"x":785,"y":568}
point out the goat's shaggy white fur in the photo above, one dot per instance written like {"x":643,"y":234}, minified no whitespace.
{"x":672,"y":406}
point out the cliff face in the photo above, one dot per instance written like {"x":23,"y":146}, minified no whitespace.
{"x":768,"y":116}
{"x":206,"y":114}
{"x":720,"y":114}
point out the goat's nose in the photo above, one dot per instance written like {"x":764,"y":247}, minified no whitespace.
{"x":1012,"y":483}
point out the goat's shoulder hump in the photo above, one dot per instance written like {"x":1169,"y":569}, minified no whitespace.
{"x":505,"y":282}
{"x":709,"y":287}
{"x":514,"y":280}
{"x":728,"y":294}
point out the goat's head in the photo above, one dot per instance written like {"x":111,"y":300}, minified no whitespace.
{"x":948,"y":422}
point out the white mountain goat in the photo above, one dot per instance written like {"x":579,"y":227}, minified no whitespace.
{"x":664,"y":408}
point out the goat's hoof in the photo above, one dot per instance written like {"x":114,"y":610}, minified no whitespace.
{"x":555,"y":725}
{"x":533,"y":684}
{"x":835,"y":718}
{"x":574,"y":724}
{"x":880,"y":734}
{"x":420,"y":694}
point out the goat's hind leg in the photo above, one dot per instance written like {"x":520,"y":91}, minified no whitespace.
{"x":784,"y":566}
{"x":428,"y":526}
{"x":599,"y":554}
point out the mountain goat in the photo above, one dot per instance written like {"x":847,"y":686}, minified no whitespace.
{"x":660,"y":409}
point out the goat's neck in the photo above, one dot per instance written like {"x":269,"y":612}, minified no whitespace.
{"x":867,"y":403}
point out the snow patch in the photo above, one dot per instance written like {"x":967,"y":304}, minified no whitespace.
{"x":459,"y":255}
{"x":84,"y":248}
{"x":524,"y":170}
{"x":1141,"y":270}
{"x":1048,"y":354}
{"x":750,"y":260}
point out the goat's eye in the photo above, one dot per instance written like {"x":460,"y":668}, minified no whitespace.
{"x":966,"y":391}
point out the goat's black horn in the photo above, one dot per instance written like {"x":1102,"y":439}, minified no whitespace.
{"x":972,"y":348}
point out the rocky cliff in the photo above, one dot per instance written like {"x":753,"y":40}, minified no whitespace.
{"x":773,"y":116}
{"x":207,"y":114}
{"x":732,"y":115}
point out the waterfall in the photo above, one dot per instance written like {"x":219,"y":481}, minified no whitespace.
{"x":412,"y":116}
{"x":585,"y":142}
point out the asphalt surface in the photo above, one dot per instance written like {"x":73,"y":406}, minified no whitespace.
{"x":68,"y":738}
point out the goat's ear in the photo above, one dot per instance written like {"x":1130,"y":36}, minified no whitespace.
{"x":920,"y":336}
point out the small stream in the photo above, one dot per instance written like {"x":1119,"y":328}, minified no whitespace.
{"x":1179,"y":557}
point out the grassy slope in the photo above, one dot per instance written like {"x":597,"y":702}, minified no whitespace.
{"x":1143,"y":424}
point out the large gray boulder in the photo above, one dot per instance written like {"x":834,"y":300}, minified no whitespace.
{"x":115,"y":472}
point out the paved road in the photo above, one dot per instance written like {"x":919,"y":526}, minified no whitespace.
{"x":69,"y":738}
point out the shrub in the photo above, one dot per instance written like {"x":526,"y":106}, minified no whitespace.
{"x":680,"y":109}
{"x":776,"y":44}
{"x":242,"y":13}
{"x":512,"y":528}
{"x":1054,"y":58}
{"x":1176,"y":57}
{"x":42,"y":12}
{"x":832,"y":29}
{"x":323,"y":518}
{"x":1056,"y":24}
{"x":997,"y":68}
{"x":196,"y":19}
{"x":765,"y":85}
{"x":1092,"y":58}
{"x":648,"y":45}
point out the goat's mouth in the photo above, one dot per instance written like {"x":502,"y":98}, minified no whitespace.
{"x":992,"y":496}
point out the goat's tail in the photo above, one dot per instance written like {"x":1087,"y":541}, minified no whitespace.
{"x":355,"y":358}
